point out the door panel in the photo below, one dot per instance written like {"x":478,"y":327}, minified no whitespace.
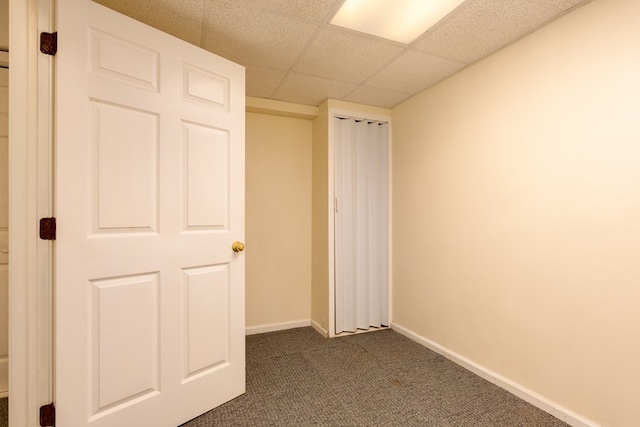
{"x":205,"y":291}
{"x":149,"y":199}
{"x":206,"y":175}
{"x":124,"y":323}
{"x":125,"y":153}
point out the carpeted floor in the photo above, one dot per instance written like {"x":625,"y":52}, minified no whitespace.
{"x":297,"y":378}
{"x":4,"y":412}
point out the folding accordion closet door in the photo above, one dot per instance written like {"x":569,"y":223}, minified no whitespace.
{"x":361,"y":224}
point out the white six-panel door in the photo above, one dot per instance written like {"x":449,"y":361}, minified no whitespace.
{"x":149,"y":194}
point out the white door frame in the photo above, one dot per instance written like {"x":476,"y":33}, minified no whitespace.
{"x":30,"y":302}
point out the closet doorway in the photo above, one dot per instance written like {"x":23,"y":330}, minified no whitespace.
{"x":4,"y":223}
{"x":361,"y":223}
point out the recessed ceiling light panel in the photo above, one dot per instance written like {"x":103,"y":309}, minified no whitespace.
{"x":399,"y":20}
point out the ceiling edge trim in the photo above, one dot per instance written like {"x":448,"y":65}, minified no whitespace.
{"x":279,"y":108}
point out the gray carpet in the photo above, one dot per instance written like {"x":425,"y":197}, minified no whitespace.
{"x":4,"y":412}
{"x":297,"y":378}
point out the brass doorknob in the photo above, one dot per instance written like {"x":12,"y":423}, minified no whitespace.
{"x":237,"y":246}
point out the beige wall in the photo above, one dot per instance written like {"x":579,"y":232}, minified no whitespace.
{"x":4,"y":24}
{"x":320,"y":212}
{"x":278,"y":219}
{"x":516,"y":212}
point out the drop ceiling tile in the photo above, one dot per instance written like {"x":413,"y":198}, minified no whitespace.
{"x":344,"y":55}
{"x":310,"y":90}
{"x":376,"y":97}
{"x":413,"y":72}
{"x":262,"y":82}
{"x":480,"y":27}
{"x":562,"y":4}
{"x":251,"y":37}
{"x":269,"y":37}
{"x":180,"y":18}
{"x":313,"y":10}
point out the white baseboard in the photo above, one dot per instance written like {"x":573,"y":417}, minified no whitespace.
{"x":525,"y":394}
{"x":318,"y":327}
{"x":261,"y":329}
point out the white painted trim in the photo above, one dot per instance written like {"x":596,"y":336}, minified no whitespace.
{"x":261,"y":329}
{"x":44,"y":208}
{"x":390,"y":213}
{"x":30,"y":340}
{"x":319,"y":329}
{"x":514,"y":388}
{"x":23,"y":269}
{"x":331,"y":219}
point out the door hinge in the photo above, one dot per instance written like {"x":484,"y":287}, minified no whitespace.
{"x":48,"y":415}
{"x":49,"y":43}
{"x":48,"y":228}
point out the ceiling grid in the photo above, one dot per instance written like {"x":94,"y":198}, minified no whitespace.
{"x":292,"y":53}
